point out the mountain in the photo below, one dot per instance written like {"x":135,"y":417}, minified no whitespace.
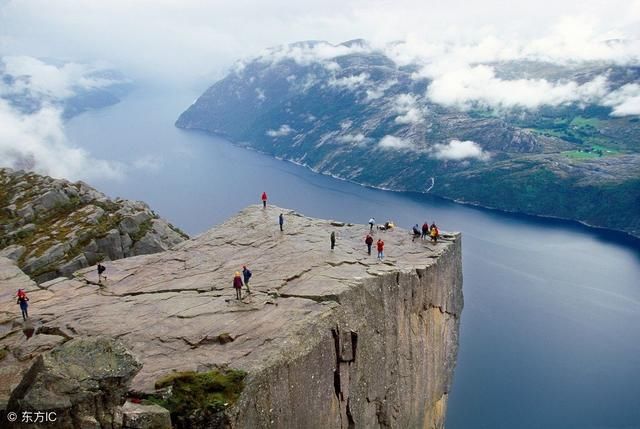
{"x":523,"y":135}
{"x":52,"y":227}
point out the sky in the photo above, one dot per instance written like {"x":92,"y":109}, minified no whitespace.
{"x":188,"y":44}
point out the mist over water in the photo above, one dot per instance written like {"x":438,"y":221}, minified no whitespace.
{"x":550,"y":332}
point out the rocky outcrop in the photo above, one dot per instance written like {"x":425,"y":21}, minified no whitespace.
{"x":327,"y":339}
{"x":54,"y":227}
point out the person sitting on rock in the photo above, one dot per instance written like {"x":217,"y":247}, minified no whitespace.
{"x":246,"y":274}
{"x":23,"y":301}
{"x":416,"y":232}
{"x":101,"y":269}
{"x":237,"y":284}
{"x":435,"y":233}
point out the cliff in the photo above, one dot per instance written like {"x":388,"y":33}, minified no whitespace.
{"x":326,"y":339}
{"x":53,"y":227}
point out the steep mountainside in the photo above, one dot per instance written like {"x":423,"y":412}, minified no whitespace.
{"x":327,"y":338}
{"x":526,"y":136}
{"x":53,"y":227}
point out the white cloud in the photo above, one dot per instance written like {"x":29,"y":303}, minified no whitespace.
{"x":625,"y":100}
{"x":378,"y":91}
{"x":396,"y":143}
{"x":467,"y":86}
{"x":47,"y":81}
{"x":354,"y":139}
{"x":406,"y":105}
{"x":457,"y":150}
{"x":37,"y":142}
{"x":352,"y":82}
{"x":260,"y":94}
{"x":284,"y":130}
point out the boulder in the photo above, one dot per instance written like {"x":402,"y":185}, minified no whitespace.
{"x":13,"y":252}
{"x":84,"y":379}
{"x":51,"y":199}
{"x":111,"y":245}
{"x":139,"y":416}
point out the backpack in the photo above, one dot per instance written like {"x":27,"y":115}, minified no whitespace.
{"x":247,"y":273}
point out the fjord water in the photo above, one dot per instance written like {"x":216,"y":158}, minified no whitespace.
{"x":550,"y":334}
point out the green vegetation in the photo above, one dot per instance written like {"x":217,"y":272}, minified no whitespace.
{"x":211,"y":391}
{"x":142,"y":230}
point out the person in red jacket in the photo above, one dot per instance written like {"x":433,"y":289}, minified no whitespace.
{"x":237,"y":284}
{"x":380,"y":246}
{"x":264,"y":200}
{"x":23,"y":301}
{"x":369,"y":242}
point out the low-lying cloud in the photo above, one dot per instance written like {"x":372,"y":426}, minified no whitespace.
{"x":389,"y":142}
{"x":284,"y":130}
{"x":625,"y":100}
{"x":409,"y":112}
{"x":37,"y":142}
{"x":457,"y":150}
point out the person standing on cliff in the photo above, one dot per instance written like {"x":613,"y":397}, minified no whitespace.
{"x":264,"y":200}
{"x":237,"y":284}
{"x":435,"y":233}
{"x":333,"y":239}
{"x":246,"y":274}
{"x":380,"y":246}
{"x":281,"y":221}
{"x":372,"y":222}
{"x":369,"y":242}
{"x":23,"y":301}
{"x":101,"y":269}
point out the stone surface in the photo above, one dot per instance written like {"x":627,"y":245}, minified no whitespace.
{"x":53,"y":227}
{"x":83,"y":380}
{"x":138,"y":416}
{"x":329,"y":339}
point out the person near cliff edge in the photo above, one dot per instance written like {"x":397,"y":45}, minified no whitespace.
{"x":369,"y":242}
{"x":246,"y":275}
{"x":281,"y":221}
{"x":380,"y":246}
{"x":425,"y":230}
{"x":23,"y":301}
{"x":333,"y":239}
{"x":264,"y":200}
{"x":101,"y":270}
{"x":435,"y":233}
{"x":416,"y":232}
{"x":237,"y":284}
{"x":372,"y":222}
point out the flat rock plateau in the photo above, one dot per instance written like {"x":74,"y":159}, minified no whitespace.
{"x":326,"y":338}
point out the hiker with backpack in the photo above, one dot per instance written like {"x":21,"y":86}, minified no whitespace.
{"x":369,"y":242}
{"x":23,"y":301}
{"x":237,"y":284}
{"x":246,"y":274}
{"x":264,"y":200}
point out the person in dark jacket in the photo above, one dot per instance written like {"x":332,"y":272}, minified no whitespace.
{"x":246,"y":275}
{"x":237,"y":284}
{"x":23,"y":301}
{"x":333,"y":239}
{"x":101,"y":270}
{"x":369,"y":242}
{"x":416,"y":232}
{"x":425,"y":230}
{"x":264,"y":200}
{"x":281,"y":221}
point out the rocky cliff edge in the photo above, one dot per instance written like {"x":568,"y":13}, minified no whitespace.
{"x":328,"y":339}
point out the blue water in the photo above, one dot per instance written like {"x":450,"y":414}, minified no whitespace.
{"x":550,"y":334}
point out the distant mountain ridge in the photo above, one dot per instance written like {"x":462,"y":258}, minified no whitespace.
{"x":521,"y":135}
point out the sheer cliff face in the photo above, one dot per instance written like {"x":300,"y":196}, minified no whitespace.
{"x":328,"y":338}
